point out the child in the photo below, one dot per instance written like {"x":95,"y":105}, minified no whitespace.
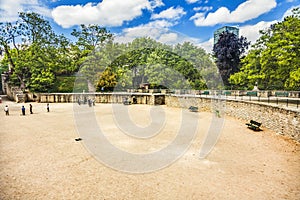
{"x":23,"y":110}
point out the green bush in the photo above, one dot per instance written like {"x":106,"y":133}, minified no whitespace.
{"x":66,"y":84}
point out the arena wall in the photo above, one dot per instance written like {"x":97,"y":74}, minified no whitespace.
{"x":284,"y":121}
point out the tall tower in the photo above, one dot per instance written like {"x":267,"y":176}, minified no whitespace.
{"x":230,"y":29}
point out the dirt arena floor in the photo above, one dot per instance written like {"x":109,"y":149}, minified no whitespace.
{"x":39,"y":159}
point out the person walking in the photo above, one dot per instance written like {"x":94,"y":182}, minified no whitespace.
{"x":30,"y":109}
{"x":48,"y":108}
{"x":6,"y":109}
{"x":23,"y":110}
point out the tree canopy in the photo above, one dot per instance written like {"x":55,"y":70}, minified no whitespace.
{"x":274,"y":59}
{"x":34,"y":52}
{"x":146,"y":61}
{"x":227,"y":53}
{"x":40,"y":60}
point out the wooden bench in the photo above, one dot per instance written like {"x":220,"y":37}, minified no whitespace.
{"x":193,"y":109}
{"x":254,"y":125}
{"x":205,"y":93}
{"x":252,"y":93}
{"x":281,"y":94}
{"x":226,"y":93}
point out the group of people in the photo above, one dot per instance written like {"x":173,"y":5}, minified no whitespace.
{"x":91,"y":102}
{"x":23,"y":109}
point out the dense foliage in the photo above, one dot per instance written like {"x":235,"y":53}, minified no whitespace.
{"x":274,"y":61}
{"x":42,"y":61}
{"x":227,"y":52}
{"x":39,"y":60}
{"x":35,"y":54}
{"x":146,"y":61}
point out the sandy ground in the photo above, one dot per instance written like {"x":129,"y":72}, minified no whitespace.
{"x":40,"y":159}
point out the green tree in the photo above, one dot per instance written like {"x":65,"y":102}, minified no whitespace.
{"x":275,"y":59}
{"x":227,"y":52}
{"x":91,"y":37}
{"x":146,"y":61}
{"x":33,"y":50}
{"x":250,"y":72}
{"x":91,"y":55}
{"x":107,"y":80}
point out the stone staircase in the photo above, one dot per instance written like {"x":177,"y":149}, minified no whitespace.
{"x":18,"y":94}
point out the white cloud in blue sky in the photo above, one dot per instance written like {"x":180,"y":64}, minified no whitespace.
{"x":170,"y":13}
{"x":192,"y":1}
{"x":246,"y":11}
{"x":105,"y":13}
{"x":203,"y":8}
{"x":156,"y":3}
{"x":9,"y":9}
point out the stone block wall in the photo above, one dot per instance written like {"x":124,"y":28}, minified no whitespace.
{"x":281,"y":120}
{"x":138,"y":98}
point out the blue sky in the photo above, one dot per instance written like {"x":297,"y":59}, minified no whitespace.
{"x":169,"y":21}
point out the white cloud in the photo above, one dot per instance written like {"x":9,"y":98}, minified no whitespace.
{"x":153,"y":29}
{"x":156,"y":3}
{"x":251,"y":32}
{"x":168,"y":38}
{"x":158,"y":30}
{"x":105,"y":13}
{"x":207,"y":45}
{"x":9,"y":9}
{"x":245,"y":11}
{"x":161,"y":24}
{"x":170,"y":13}
{"x":203,"y":8}
{"x":192,"y":1}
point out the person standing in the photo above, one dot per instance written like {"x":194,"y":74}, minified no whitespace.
{"x":48,"y":108}
{"x":30,"y":109}
{"x":6,"y":109}
{"x":23,"y":110}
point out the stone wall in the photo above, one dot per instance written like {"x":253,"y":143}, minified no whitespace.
{"x":281,"y":120}
{"x":15,"y":94}
{"x":137,"y":98}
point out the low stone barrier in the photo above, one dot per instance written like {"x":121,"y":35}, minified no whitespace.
{"x":283,"y":121}
{"x":137,"y":98}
